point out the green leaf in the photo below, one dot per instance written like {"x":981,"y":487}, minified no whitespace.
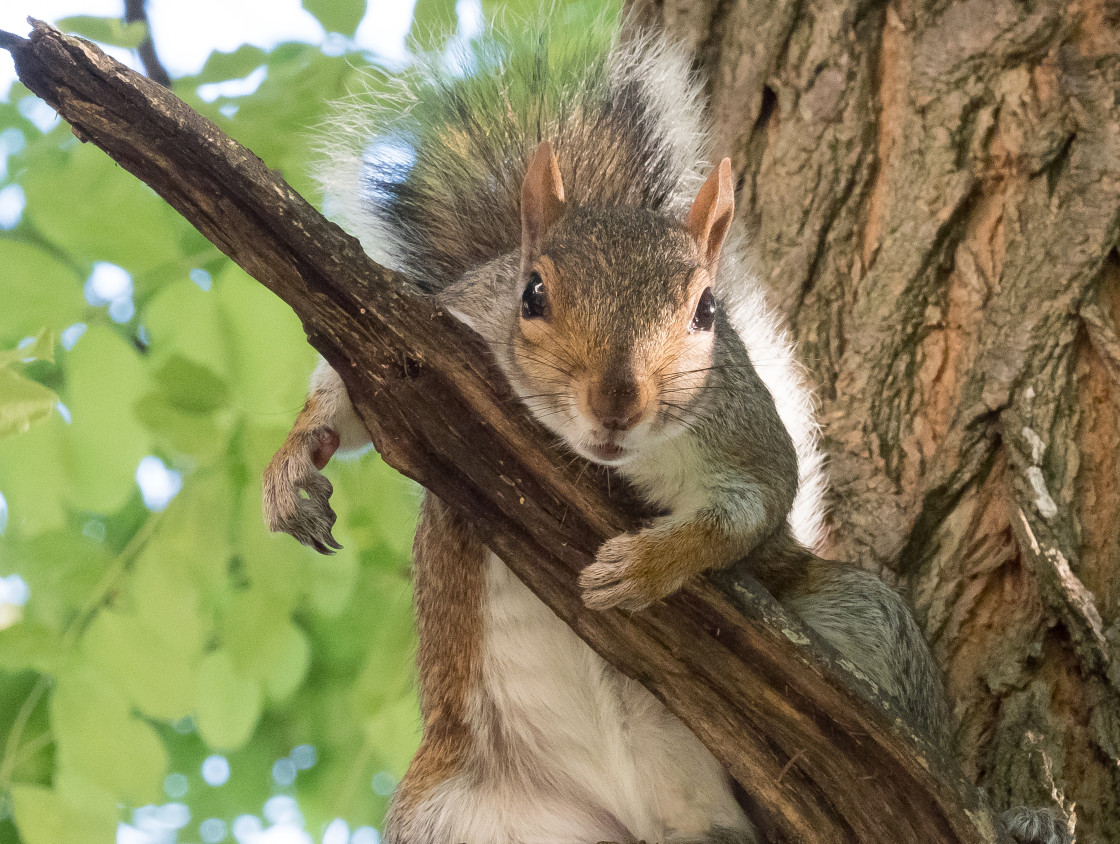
{"x":393,"y":731}
{"x":106,"y":30}
{"x":181,"y":409}
{"x":101,"y":741}
{"x":288,"y":655}
{"x":44,"y":290}
{"x":191,"y":387}
{"x":220,"y":66}
{"x":41,"y":348}
{"x":46,"y":817}
{"x":29,"y":645}
{"x":35,"y":489}
{"x":378,"y":506}
{"x":324,"y":644}
{"x":294,"y":96}
{"x":188,"y":433}
{"x":187,"y":323}
{"x":167,"y":602}
{"x":228,"y":704}
{"x":81,"y":201}
{"x":331,"y":581}
{"x":264,"y":643}
{"x":152,"y":648}
{"x":63,"y":569}
{"x":156,"y":673}
{"x":23,"y":402}
{"x":337,"y":15}
{"x":106,"y":376}
{"x":269,"y":344}
{"x":192,"y":540}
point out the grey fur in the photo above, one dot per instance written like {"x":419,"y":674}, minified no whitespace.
{"x":622,"y":119}
{"x":871,"y":626}
{"x":1036,"y":826}
{"x":716,"y":836}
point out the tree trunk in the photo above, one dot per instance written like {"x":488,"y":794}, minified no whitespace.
{"x":934,"y":196}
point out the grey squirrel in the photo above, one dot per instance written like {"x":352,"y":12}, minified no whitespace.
{"x":553,"y":198}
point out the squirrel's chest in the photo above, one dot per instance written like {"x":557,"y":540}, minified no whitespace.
{"x":575,"y":729}
{"x":554,"y":694}
{"x":672,"y":476}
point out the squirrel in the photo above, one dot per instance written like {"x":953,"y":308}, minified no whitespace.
{"x":553,"y":199}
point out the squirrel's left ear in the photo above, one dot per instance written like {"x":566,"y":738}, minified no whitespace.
{"x":542,"y":199}
{"x":711,"y":212}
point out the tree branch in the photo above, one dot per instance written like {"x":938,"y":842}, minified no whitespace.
{"x":764,"y":696}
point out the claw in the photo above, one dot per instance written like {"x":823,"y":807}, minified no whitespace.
{"x":613,"y":581}
{"x":297,"y":495}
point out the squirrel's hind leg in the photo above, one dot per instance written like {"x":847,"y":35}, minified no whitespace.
{"x":296,"y":493}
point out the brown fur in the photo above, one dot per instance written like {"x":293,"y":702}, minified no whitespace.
{"x":712,"y":212}
{"x":657,"y":562}
{"x":449,"y":575}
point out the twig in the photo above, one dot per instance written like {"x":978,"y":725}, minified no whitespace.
{"x":134,"y":10}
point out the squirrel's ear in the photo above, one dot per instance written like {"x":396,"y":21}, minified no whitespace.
{"x":711,"y":212}
{"x":542,"y":198}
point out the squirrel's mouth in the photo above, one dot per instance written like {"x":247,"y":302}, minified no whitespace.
{"x":607,"y":452}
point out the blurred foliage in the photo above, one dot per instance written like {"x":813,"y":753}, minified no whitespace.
{"x":153,"y":640}
{"x":159,"y":634}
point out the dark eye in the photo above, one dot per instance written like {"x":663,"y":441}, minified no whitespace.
{"x":534,"y":301}
{"x":705,"y":314}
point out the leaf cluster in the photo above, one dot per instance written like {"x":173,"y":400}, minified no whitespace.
{"x":156,"y":638}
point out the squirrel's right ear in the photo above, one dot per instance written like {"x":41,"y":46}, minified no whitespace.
{"x":542,"y":199}
{"x":711,"y":213}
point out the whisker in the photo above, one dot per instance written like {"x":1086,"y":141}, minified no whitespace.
{"x":542,"y":396}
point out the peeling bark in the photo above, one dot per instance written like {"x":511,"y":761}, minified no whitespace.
{"x":934,"y":195}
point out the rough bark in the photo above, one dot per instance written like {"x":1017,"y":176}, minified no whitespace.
{"x":771,"y":703}
{"x":934,"y":195}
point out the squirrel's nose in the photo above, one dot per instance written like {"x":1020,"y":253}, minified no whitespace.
{"x":616,"y":402}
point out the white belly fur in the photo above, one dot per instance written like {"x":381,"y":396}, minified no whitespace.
{"x":587,"y":755}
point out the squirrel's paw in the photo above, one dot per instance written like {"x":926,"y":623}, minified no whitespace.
{"x":297,"y":495}
{"x":625,"y":574}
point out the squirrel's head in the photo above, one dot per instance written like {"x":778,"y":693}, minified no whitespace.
{"x":617,"y":318}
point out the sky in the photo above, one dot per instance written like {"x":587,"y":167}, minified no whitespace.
{"x":186,"y":31}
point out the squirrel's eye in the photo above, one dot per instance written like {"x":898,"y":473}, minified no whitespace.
{"x":534,"y":302}
{"x":705,"y":314}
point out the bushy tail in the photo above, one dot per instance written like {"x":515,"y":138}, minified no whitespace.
{"x":430,"y":179}
{"x":1037,"y":826}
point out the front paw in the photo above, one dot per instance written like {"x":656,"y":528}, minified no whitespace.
{"x":297,"y":495}
{"x":627,"y":573}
